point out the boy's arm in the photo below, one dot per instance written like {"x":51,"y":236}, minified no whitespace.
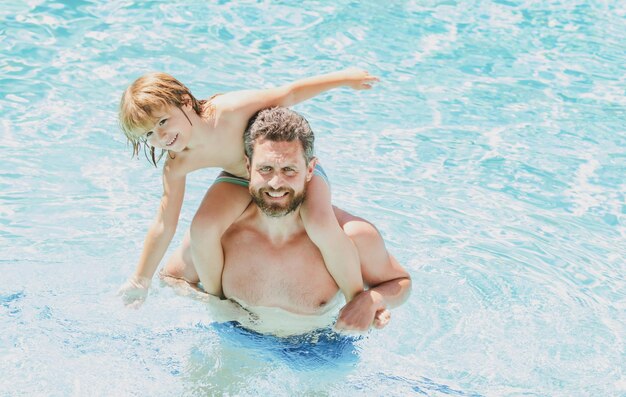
{"x":158,"y":238}
{"x":247,"y":103}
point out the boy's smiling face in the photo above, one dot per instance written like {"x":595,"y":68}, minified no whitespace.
{"x":172,"y":130}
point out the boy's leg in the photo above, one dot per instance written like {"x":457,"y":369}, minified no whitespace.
{"x":225,"y":200}
{"x":373,"y":253}
{"x":180,"y":265}
{"x":366,"y":237}
{"x":339,"y":253}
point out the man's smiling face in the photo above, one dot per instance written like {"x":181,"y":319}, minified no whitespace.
{"x":278,"y":176}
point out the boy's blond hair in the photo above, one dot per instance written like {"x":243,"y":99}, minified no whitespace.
{"x":144,"y":98}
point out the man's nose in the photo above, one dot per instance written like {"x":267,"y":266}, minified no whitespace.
{"x":276,"y":181}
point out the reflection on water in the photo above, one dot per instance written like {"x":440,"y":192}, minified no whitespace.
{"x":231,"y":363}
{"x":320,"y":348}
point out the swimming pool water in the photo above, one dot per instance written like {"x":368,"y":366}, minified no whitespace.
{"x":491,"y":156}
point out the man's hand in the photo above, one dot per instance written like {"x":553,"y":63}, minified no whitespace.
{"x":134,"y":291}
{"x":366,"y":309}
{"x":359,"y":79}
{"x":381,"y":319}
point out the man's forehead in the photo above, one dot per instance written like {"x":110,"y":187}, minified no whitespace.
{"x":272,"y":149}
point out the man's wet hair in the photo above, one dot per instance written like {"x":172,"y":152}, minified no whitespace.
{"x":279,"y":124}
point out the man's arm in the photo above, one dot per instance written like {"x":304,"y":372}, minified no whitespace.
{"x":389,"y":284}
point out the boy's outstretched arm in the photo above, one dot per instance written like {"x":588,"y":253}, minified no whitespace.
{"x":158,"y":238}
{"x":247,"y":103}
{"x":303,"y":89}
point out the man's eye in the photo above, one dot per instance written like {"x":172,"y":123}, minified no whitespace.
{"x":265,"y":169}
{"x":289,"y":171}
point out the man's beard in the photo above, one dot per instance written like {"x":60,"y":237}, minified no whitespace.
{"x":275,"y":209}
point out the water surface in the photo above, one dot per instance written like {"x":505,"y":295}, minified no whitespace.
{"x":491,"y":156}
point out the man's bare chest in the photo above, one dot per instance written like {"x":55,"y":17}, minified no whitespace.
{"x":293,"y":277}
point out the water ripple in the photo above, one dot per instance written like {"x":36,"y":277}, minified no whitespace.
{"x":490,"y":157}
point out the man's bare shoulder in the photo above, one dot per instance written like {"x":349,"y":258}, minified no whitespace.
{"x":244,"y":226}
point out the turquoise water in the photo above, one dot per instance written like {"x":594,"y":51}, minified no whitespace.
{"x":491,"y":156}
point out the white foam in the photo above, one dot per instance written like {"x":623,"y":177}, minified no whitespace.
{"x":432,"y":44}
{"x":105,"y":72}
{"x":97,"y":35}
{"x":581,"y":190}
{"x":16,"y":98}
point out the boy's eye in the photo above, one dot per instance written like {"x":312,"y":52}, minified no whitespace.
{"x":162,"y":122}
{"x":148,"y":134}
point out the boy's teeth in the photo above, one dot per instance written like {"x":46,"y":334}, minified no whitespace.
{"x":172,"y":141}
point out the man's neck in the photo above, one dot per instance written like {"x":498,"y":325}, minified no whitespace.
{"x":281,"y":228}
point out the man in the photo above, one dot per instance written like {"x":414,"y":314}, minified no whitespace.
{"x":269,"y":261}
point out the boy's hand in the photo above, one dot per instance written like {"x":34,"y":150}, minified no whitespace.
{"x":359,"y":79}
{"x":134,"y":291}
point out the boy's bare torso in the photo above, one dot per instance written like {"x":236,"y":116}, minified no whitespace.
{"x":221,"y":145}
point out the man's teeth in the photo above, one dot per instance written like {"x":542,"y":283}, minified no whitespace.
{"x":276,"y":194}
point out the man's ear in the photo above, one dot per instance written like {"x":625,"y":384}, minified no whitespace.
{"x":247,"y":163}
{"x":310,"y":168}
